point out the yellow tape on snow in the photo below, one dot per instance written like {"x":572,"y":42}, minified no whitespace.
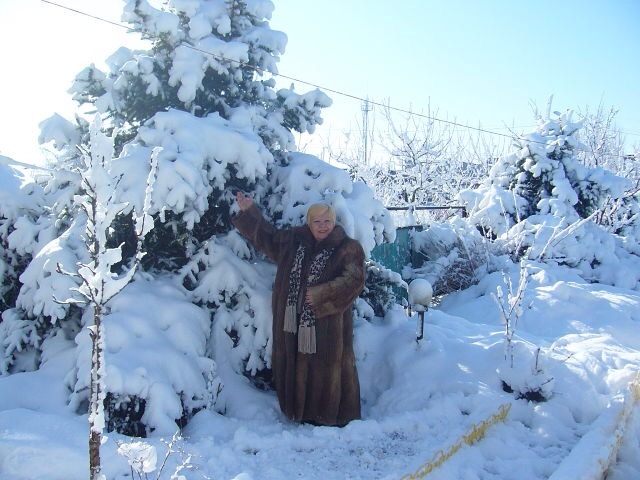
{"x":598,"y":449}
{"x":629,"y":403}
{"x":473,"y":435}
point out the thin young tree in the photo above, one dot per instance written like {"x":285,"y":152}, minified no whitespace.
{"x":99,"y":280}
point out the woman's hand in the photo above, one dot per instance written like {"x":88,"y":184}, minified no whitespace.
{"x":243,"y":201}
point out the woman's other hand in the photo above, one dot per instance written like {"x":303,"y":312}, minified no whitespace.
{"x":243,"y":201}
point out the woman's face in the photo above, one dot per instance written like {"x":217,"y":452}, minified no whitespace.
{"x":321,"y":226}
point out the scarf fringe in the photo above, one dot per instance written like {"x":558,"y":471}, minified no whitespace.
{"x":290,"y":320}
{"x":307,"y":339}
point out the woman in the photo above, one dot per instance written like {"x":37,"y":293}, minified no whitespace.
{"x":320,"y":273}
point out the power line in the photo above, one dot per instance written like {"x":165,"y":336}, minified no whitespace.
{"x":288,"y":77}
{"x":64,"y":7}
{"x":311,"y":84}
{"x":635,"y":134}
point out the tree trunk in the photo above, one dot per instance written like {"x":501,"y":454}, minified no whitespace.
{"x":95,"y":438}
{"x":96,"y":407}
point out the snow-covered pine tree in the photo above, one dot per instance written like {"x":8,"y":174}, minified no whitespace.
{"x":35,"y":207}
{"x":10,"y":268}
{"x":202,"y":100}
{"x":541,"y":202}
{"x":14,"y":203}
{"x":542,"y":176}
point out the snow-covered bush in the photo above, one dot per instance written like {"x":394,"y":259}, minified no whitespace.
{"x":383,"y":288}
{"x":25,"y":229}
{"x":621,"y":216}
{"x":527,"y":379}
{"x":522,"y":371}
{"x":143,"y":458}
{"x":13,"y":201}
{"x":451,"y":255}
{"x":155,"y":345}
{"x":540,"y":202}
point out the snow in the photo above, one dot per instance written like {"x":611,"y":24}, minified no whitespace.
{"x":418,"y":398}
{"x":307,"y":180}
{"x":575,"y":343}
{"x":140,"y":455}
{"x":166,"y":340}
{"x":10,"y":183}
{"x":17,"y":191}
{"x":194,"y":155}
{"x":553,"y":343}
{"x":420,"y":293}
{"x":44,"y":285}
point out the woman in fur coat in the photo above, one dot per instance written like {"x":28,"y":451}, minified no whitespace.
{"x":320,"y":272}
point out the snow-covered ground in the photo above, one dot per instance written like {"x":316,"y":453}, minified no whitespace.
{"x":419,"y":400}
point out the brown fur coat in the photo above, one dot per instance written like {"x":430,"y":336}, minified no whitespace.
{"x":320,"y":388}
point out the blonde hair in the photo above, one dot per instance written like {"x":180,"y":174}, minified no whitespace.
{"x":320,"y":209}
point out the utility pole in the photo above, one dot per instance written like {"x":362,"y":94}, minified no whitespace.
{"x":366,"y":108}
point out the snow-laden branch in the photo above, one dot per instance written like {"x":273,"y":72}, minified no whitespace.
{"x":99,"y":282}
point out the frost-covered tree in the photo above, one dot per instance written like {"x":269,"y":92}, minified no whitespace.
{"x":25,"y":229}
{"x":202,"y":102}
{"x":542,"y":176}
{"x":603,"y":139}
{"x":605,"y":148}
{"x":13,"y":204}
{"x":425,"y":160}
{"x":99,"y":283}
{"x":542,"y":202}
{"x":419,"y":150}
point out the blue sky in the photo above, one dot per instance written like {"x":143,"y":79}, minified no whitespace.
{"x":474,"y":62}
{"x":477,"y":63}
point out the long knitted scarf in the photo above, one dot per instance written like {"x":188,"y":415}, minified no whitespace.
{"x":305,"y":323}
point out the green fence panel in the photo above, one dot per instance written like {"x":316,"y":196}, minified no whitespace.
{"x":397,"y":255}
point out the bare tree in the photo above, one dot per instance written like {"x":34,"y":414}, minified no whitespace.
{"x":416,"y":146}
{"x":603,"y":139}
{"x":433,"y":160}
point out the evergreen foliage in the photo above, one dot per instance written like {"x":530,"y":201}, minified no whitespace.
{"x":383,"y":288}
{"x":542,"y":202}
{"x":202,"y":103}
